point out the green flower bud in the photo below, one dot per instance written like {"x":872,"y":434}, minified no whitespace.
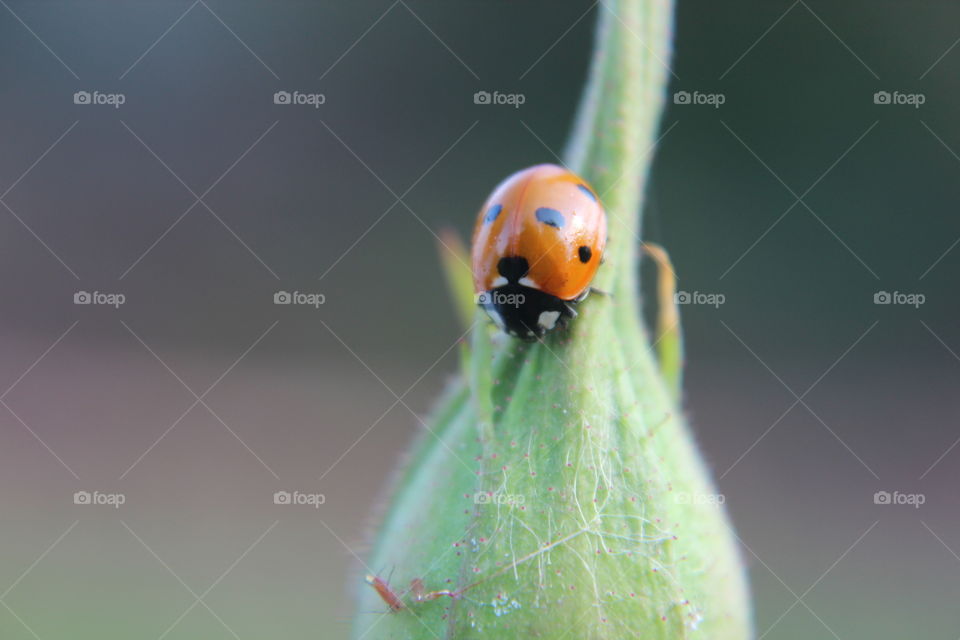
{"x":558,"y":493}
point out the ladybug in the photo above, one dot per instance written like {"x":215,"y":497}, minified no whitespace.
{"x":537,"y":244}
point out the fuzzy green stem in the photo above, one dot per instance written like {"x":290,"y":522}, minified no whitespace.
{"x":613,"y":138}
{"x":559,"y":493}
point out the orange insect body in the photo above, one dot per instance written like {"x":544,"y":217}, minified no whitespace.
{"x":537,"y":245}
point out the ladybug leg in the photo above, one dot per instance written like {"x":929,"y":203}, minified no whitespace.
{"x":598,"y":292}
{"x":580,"y":298}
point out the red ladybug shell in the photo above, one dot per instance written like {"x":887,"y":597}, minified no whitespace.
{"x":550,"y":217}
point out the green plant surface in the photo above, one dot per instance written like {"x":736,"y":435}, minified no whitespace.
{"x":559,"y":493}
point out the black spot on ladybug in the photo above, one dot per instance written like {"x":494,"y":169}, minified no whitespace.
{"x":492,"y":213}
{"x":550,"y":217}
{"x":513,"y":268}
{"x":587,"y":191}
{"x":585,"y":253}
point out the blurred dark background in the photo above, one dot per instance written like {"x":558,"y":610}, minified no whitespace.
{"x":296,"y":198}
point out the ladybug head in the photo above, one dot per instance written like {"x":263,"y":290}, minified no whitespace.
{"x":513,"y":268}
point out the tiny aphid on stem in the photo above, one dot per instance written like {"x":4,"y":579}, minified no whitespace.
{"x":420,"y":594}
{"x":386,"y":593}
{"x":394,"y":601}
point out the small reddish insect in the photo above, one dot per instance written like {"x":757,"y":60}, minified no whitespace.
{"x":386,"y":593}
{"x":537,"y":244}
{"x":420,"y":594}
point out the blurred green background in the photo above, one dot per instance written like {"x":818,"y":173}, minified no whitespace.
{"x":296,"y":198}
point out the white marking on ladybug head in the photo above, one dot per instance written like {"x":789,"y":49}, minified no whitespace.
{"x":527,"y":282}
{"x":548,"y":319}
{"x":499,"y":282}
